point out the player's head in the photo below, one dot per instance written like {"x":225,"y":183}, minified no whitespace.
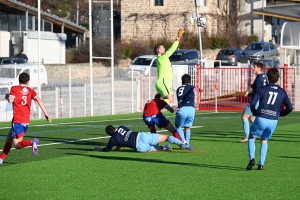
{"x":24,"y":78}
{"x":159,"y":49}
{"x":110,"y":130}
{"x":258,"y":67}
{"x":158,"y":96}
{"x":273,"y":75}
{"x":186,"y":79}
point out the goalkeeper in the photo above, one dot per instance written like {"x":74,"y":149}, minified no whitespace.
{"x":164,"y":69}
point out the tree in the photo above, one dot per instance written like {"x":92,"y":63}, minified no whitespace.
{"x":60,"y":8}
{"x":229,"y":17}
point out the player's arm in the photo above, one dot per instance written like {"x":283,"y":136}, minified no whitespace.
{"x":253,"y":103}
{"x":108,"y":148}
{"x":169,"y":108}
{"x":288,"y":106}
{"x":174,"y":46}
{"x":42,"y":106}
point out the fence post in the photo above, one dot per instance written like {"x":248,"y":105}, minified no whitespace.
{"x":285,"y":76}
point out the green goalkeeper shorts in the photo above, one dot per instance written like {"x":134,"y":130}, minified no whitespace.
{"x":164,"y":87}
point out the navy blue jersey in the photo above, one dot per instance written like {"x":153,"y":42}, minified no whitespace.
{"x":271,"y":99}
{"x":123,"y":137}
{"x":186,"y":95}
{"x":259,"y":81}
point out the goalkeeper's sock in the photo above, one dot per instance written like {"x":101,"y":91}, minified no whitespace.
{"x":251,"y":148}
{"x":263,"y":153}
{"x":6,"y":150}
{"x":24,"y":143}
{"x":246,"y":127}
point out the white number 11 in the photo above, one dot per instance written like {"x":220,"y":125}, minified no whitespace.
{"x":273,"y":95}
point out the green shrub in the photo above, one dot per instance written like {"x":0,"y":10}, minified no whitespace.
{"x":217,"y":42}
{"x":252,"y":38}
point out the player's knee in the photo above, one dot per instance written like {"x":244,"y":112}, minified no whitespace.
{"x":262,"y":140}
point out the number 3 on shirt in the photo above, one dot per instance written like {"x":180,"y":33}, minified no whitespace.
{"x":24,"y":102}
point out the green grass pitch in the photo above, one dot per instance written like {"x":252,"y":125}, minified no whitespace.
{"x":68,"y":168}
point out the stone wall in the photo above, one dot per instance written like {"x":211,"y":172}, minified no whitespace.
{"x":142,"y":20}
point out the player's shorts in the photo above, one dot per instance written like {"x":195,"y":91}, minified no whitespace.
{"x":164,"y":87}
{"x":145,"y":141}
{"x":185,"y":116}
{"x":160,"y":120}
{"x":248,"y":110}
{"x":18,"y":130}
{"x":263,"y":127}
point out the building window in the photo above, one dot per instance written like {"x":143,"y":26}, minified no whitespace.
{"x":204,"y":2}
{"x":218,"y":4}
{"x":158,"y":2}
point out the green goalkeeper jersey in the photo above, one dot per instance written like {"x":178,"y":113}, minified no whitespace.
{"x":164,"y":66}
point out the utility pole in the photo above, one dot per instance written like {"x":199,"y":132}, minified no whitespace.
{"x":197,"y":5}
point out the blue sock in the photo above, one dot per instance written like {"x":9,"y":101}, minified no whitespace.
{"x":188,"y":135}
{"x":263,"y":153}
{"x":246,"y":127}
{"x":174,"y":140}
{"x":251,"y":148}
{"x":180,"y":132}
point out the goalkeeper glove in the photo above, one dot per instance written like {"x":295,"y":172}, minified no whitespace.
{"x":180,"y":33}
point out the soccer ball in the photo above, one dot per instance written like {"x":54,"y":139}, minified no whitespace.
{"x":201,"y":21}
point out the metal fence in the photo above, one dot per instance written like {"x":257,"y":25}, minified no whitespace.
{"x":69,"y":96}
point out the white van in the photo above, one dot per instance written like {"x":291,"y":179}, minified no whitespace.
{"x":8,"y":76}
{"x":6,"y":109}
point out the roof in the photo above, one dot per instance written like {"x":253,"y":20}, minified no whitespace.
{"x":288,"y":11}
{"x":44,"y":15}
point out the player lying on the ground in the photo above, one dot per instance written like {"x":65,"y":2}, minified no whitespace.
{"x":139,"y":141}
{"x":152,"y":115}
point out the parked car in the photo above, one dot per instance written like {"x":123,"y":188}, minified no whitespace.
{"x":184,"y":57}
{"x":141,"y":65}
{"x":8,"y":76}
{"x":231,"y":56}
{"x":260,"y":50}
{"x":268,"y":63}
{"x":11,"y":60}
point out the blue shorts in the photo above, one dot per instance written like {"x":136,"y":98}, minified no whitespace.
{"x":248,"y":110}
{"x":263,"y":127}
{"x":185,"y":116}
{"x":146,"y":141}
{"x":160,"y":120}
{"x":18,"y":130}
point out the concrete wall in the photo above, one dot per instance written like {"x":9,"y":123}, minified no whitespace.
{"x":53,"y":50}
{"x":4,"y":43}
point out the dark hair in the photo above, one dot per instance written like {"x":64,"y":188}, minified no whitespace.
{"x":21,"y":51}
{"x":185,"y":79}
{"x":110,"y":130}
{"x":24,"y":78}
{"x":259,"y":64}
{"x":156,"y":48}
{"x":157,"y":96}
{"x":273,"y":75}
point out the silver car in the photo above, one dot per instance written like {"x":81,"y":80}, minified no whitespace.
{"x":260,"y":50}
